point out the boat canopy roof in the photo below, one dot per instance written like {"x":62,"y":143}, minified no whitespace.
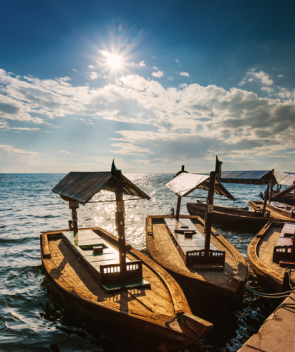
{"x":185,"y":183}
{"x":284,"y":178}
{"x":82,"y":186}
{"x":248,"y":177}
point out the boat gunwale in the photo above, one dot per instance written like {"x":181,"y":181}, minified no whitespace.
{"x":269,"y":275}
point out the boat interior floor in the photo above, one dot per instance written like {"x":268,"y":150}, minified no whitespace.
{"x":166,"y":250}
{"x":156,"y":300}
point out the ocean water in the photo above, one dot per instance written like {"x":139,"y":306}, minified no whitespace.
{"x":34,"y":318}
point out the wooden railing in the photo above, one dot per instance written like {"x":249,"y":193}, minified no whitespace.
{"x":282,"y":253}
{"x":111,"y":272}
{"x":198,"y":257}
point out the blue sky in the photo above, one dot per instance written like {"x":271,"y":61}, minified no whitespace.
{"x":154,"y":85}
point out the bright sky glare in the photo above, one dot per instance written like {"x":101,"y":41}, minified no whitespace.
{"x":154,"y":85}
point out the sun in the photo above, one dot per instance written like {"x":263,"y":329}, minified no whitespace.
{"x":114,"y":61}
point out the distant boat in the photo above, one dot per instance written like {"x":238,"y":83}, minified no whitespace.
{"x":108,"y":280}
{"x":271,"y":251}
{"x":230,"y":215}
{"x":254,"y":217}
{"x":277,"y":210}
{"x":207,"y":266}
{"x":286,"y":195}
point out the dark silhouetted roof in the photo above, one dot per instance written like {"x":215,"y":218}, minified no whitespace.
{"x":249,"y":177}
{"x":82,"y":186}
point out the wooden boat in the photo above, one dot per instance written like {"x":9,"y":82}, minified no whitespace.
{"x":207,"y":266}
{"x":277,"y":211}
{"x":108,"y":280}
{"x":258,"y":214}
{"x":230,"y":215}
{"x":286,"y":196}
{"x":270,"y":251}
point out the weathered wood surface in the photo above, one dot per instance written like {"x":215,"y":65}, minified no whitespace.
{"x":277,"y":334}
{"x":274,"y":215}
{"x":196,"y":242}
{"x":260,"y":255}
{"x":224,"y":214}
{"x":164,"y":251}
{"x":141,"y":312}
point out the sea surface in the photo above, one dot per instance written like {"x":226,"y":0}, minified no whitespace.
{"x":34,"y":318}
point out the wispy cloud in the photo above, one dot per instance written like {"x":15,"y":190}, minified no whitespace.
{"x":141,"y":64}
{"x":91,"y":66}
{"x":11,"y":150}
{"x":65,"y":152}
{"x":260,"y":76}
{"x":158,"y":74}
{"x":267,"y":89}
{"x":280,"y":76}
{"x":92,"y":75}
{"x":185,"y":74}
{"x":177,"y":60}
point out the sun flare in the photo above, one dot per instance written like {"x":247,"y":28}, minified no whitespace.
{"x":114,"y":61}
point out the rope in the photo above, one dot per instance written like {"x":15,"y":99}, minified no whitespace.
{"x":269,"y":295}
{"x":289,"y":271}
{"x":179,"y":317}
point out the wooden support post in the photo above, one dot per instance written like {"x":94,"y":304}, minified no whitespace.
{"x":178,"y":208}
{"x":75,"y":219}
{"x":265,"y":199}
{"x":209,"y":214}
{"x":120,"y":222}
{"x":270,"y":192}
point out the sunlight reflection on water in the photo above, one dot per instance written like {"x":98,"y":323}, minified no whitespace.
{"x":33,"y":316}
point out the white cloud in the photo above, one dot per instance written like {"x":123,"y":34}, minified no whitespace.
{"x":105,"y":53}
{"x":75,"y":70}
{"x":156,"y":68}
{"x":11,"y":150}
{"x":280,"y":76}
{"x":260,"y":76}
{"x":267,"y":89}
{"x":232,"y":121}
{"x":158,"y":74}
{"x":92,"y":75}
{"x":65,"y":152}
{"x":141,"y":64}
{"x":170,"y":78}
{"x":177,"y":60}
{"x":186,"y":74}
{"x":91,"y":66}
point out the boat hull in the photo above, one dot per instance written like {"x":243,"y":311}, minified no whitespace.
{"x":149,"y":329}
{"x":231,"y":217}
{"x":214,"y":289}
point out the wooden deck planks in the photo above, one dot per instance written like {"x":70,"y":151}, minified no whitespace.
{"x":157,"y":300}
{"x":166,"y":249}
